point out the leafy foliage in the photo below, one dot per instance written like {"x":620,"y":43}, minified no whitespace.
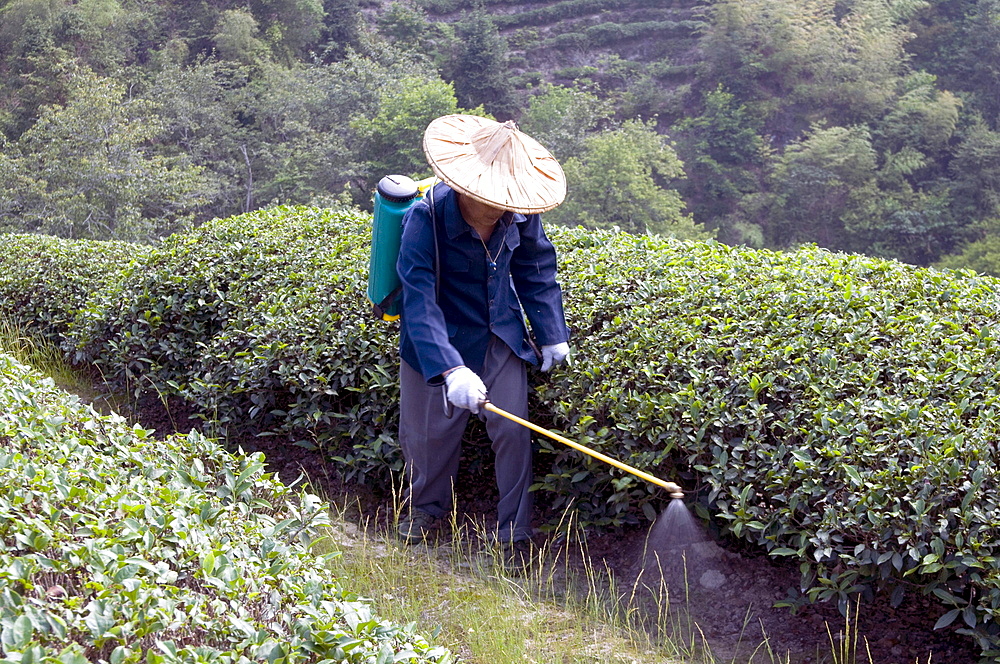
{"x":281,"y":102}
{"x":836,"y":409}
{"x":260,"y":324}
{"x":562,"y":118}
{"x":832,"y":408}
{"x":983,"y":256}
{"x":617,"y":184}
{"x":393,"y":139}
{"x":480,"y":70}
{"x":45,"y":281}
{"x":124,"y":548}
{"x":84,"y":171}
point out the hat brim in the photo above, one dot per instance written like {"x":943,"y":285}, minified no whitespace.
{"x":494,"y":163}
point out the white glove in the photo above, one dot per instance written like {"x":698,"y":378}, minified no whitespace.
{"x":554,"y":354}
{"x":465,"y":389}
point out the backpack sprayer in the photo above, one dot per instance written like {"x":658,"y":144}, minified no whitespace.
{"x":394,"y":196}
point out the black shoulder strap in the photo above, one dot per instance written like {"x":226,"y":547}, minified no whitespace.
{"x":437,"y":249}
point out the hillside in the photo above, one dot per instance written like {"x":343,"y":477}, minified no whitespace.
{"x":558,"y":38}
{"x":565,"y":41}
{"x":861,"y":126}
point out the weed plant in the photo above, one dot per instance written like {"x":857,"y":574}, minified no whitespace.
{"x":32,"y":349}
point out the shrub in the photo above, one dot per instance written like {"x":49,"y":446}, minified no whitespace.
{"x":836,"y":409}
{"x":123,"y":548}
{"x":45,"y":280}
{"x":259,"y":323}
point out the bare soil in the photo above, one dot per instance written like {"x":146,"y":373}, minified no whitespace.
{"x":721,"y":599}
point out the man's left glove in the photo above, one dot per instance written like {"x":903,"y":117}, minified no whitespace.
{"x":554,"y":354}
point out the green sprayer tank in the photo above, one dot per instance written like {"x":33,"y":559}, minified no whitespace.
{"x":394,"y":195}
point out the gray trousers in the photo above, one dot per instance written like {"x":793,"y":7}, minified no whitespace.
{"x":432,"y":442}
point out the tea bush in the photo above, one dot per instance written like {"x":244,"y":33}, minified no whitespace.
{"x":122,"y":548}
{"x":835,"y":409}
{"x":556,"y":12}
{"x":45,"y":280}
{"x":259,"y":324}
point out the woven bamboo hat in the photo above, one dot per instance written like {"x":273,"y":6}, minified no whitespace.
{"x":494,"y":163}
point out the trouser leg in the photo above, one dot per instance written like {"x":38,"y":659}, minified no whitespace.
{"x":506,"y":380}
{"x":430,"y":441}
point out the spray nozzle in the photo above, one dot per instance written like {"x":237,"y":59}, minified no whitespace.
{"x":674,"y":489}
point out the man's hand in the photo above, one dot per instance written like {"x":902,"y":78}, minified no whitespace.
{"x":465,"y":388}
{"x":554,"y":354}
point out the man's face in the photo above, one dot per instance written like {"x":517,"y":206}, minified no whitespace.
{"x":480,"y":212}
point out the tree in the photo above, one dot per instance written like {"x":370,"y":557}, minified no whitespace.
{"x":983,"y":256}
{"x":403,"y":24}
{"x":975,"y":173}
{"x":960,"y":42}
{"x":43,"y":41}
{"x":392,"y":140}
{"x":560,"y":118}
{"x":197,"y":110}
{"x":85,"y":170}
{"x":794,"y":63}
{"x":342,"y":27}
{"x":481,"y":72}
{"x":615,"y":183}
{"x":724,"y":156}
{"x":922,"y":117}
{"x":292,"y":27}
{"x":819,"y":182}
{"x":237,"y":37}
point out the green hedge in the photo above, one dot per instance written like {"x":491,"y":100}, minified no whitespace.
{"x":259,"y":324}
{"x":45,"y":280}
{"x":835,"y":409}
{"x":122,"y":548}
{"x":603,"y":34}
{"x":570,"y":9}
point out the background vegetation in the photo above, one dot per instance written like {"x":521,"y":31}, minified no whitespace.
{"x":867,"y":126}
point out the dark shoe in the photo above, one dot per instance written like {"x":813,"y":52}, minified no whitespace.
{"x":516,"y":556}
{"x":416,"y":527}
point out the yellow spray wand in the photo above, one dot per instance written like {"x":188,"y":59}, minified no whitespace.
{"x":674,"y":489}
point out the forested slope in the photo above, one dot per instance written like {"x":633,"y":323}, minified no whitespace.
{"x":867,"y":126}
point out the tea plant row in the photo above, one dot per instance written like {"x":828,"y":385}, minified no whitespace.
{"x":120,"y":547}
{"x":832,"y":409}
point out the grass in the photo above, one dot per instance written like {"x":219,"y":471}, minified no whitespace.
{"x":563,"y":609}
{"x":548,"y":613}
{"x":31,"y":349}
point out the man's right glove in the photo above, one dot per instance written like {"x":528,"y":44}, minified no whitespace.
{"x":465,"y":389}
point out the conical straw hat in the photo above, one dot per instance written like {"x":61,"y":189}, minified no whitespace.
{"x":494,"y":163}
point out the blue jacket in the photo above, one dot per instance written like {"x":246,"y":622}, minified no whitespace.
{"x":476,"y":300}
